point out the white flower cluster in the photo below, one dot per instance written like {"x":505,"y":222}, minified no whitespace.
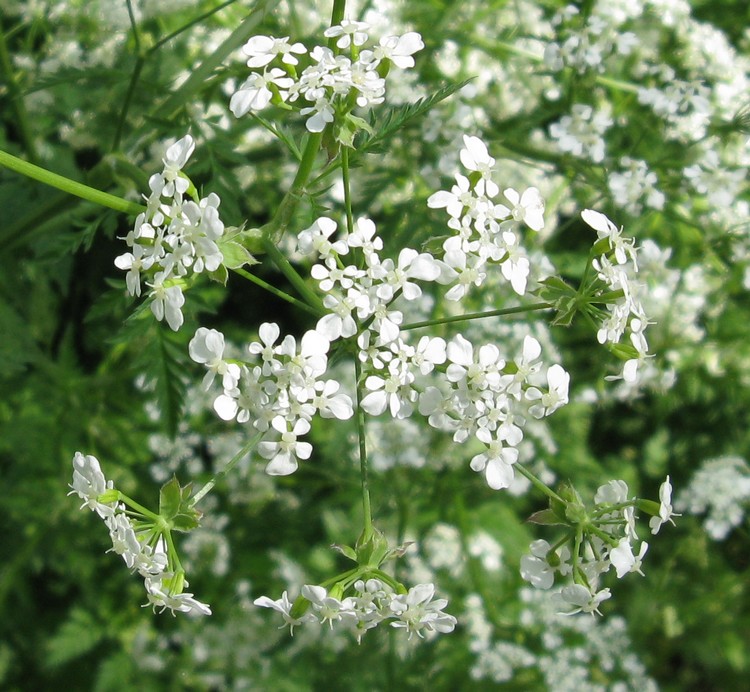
{"x":634,"y":186}
{"x":627,"y":313}
{"x":485,"y":231}
{"x":281,"y":395}
{"x":461,"y":389}
{"x":721,"y":490}
{"x":173,"y":237}
{"x":142,"y":550}
{"x":610,"y":545}
{"x":374,"y":602}
{"x":585,"y":44}
{"x":331,"y":82}
{"x":582,"y":132}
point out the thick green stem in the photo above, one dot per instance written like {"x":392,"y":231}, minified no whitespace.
{"x":67,"y":185}
{"x":294,"y":278}
{"x":478,"y":315}
{"x":538,"y":484}
{"x":366,"y":509}
{"x":347,"y":189}
{"x":285,"y":213}
{"x":16,"y":98}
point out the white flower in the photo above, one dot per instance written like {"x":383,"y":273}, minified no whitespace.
{"x":89,"y":483}
{"x":557,"y":395}
{"x":328,"y":608}
{"x":349,"y":32}
{"x":399,"y":49}
{"x":284,"y":606}
{"x":496,"y":462}
{"x":624,"y":560}
{"x":535,"y":569}
{"x":321,"y":113}
{"x":255,"y":93}
{"x":174,"y":161}
{"x":207,"y":347}
{"x":475,"y":157}
{"x":417,"y":611}
{"x":527,"y":208}
{"x":160,"y":597}
{"x":623,"y":248}
{"x":261,"y":50}
{"x":665,"y":508}
{"x":167,"y":302}
{"x":134,"y":262}
{"x":283,"y":453}
{"x":582,"y":600}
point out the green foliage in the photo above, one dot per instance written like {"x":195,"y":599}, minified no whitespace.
{"x":93,"y":98}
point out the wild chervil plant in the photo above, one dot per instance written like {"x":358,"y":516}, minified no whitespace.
{"x":466,"y":390}
{"x":452,"y":314}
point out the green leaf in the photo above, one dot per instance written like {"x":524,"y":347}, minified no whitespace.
{"x":170,"y":498}
{"x":397,"y":118}
{"x":77,"y":635}
{"x":175,"y":507}
{"x":235,"y":255}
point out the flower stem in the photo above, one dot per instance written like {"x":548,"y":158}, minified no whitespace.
{"x":218,"y":476}
{"x":272,"y":289}
{"x":478,"y":315}
{"x":538,"y":484}
{"x":295,"y":279}
{"x":347,"y":189}
{"x":67,"y":185}
{"x":366,"y":509}
{"x":138,"y":507}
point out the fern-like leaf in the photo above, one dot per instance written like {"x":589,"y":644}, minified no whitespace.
{"x":397,"y":118}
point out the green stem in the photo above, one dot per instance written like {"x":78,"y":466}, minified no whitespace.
{"x":280,"y":294}
{"x":294,"y":278}
{"x":200,"y":76}
{"x":139,"y":62}
{"x":538,"y":484}
{"x":137,"y":507}
{"x":232,"y":463}
{"x":16,"y":98}
{"x":347,"y":189}
{"x":366,"y":509}
{"x":285,"y":213}
{"x":478,"y":315}
{"x":67,"y":185}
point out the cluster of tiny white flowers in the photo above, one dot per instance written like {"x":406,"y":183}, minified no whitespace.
{"x":281,"y":395}
{"x":174,"y":237}
{"x":486,"y":231}
{"x":331,"y":80}
{"x":141,"y":549}
{"x":586,"y":47}
{"x":627,"y":313}
{"x":582,"y":132}
{"x":720,"y":489}
{"x":477,"y":393}
{"x":634,"y":186}
{"x":373,"y":602}
{"x":684,"y":105}
{"x":614,"y":515}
